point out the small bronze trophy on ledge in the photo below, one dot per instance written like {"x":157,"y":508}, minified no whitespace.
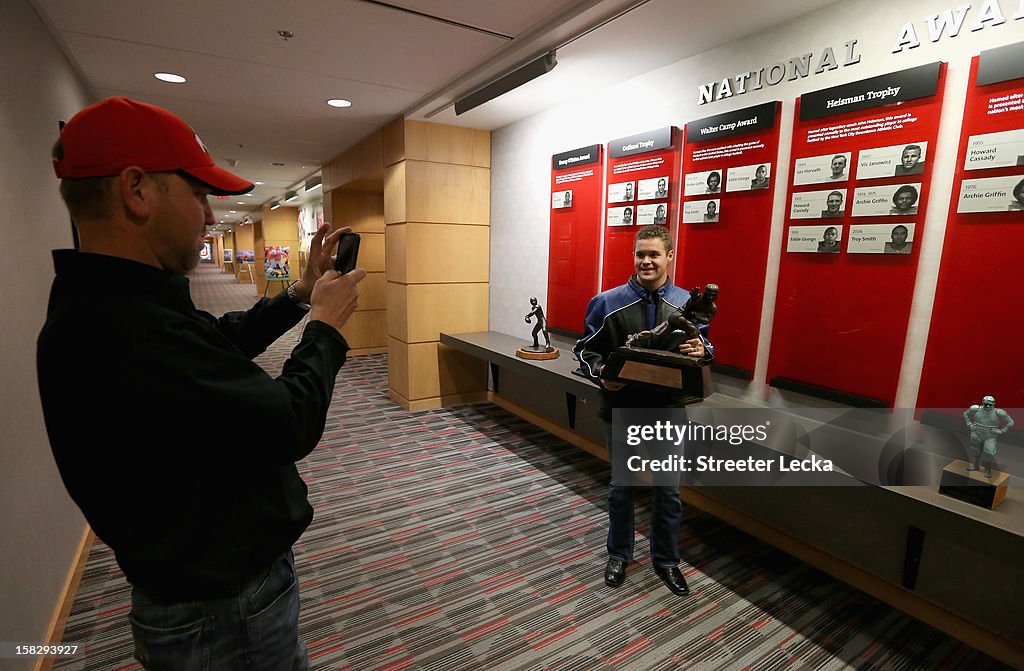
{"x":964,"y":480}
{"x":538,"y":351}
{"x":653,"y":357}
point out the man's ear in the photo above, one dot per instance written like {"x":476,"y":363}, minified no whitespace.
{"x":135,"y":189}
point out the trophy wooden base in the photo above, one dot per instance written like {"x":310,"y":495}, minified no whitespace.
{"x":659,"y":368}
{"x":541,"y":353}
{"x":972,"y":486}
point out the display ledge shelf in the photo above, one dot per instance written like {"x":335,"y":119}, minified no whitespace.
{"x":843,"y":428}
{"x":500,"y":348}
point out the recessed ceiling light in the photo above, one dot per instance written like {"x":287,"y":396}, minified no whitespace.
{"x":241,"y":202}
{"x":257,"y":184}
{"x":170,"y":77}
{"x":339,"y":102}
{"x":231,"y":211}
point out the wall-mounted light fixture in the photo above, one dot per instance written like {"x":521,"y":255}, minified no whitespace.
{"x":512,"y":80}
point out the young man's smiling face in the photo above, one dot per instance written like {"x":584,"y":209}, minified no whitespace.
{"x":650,"y":261}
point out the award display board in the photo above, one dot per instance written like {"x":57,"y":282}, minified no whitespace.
{"x":641,"y":174}
{"x":980,"y":273}
{"x":574,"y":241}
{"x":729,"y":163}
{"x":860,"y":169}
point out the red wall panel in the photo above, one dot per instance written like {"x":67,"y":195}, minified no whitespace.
{"x":574,"y":244}
{"x":732,"y":252}
{"x":841,"y":319}
{"x":974,"y":346}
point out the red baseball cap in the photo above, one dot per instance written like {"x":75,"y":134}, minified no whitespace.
{"x":105,"y":138}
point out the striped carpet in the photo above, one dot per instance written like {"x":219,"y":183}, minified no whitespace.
{"x":468,"y":539}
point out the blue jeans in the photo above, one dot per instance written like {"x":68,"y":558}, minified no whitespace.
{"x":666,"y":514}
{"x":258,"y":629}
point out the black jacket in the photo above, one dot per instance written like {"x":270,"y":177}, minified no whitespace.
{"x":178,"y":448}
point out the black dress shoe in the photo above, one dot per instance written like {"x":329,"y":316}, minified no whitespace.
{"x":673,"y":579}
{"x":614,"y":572}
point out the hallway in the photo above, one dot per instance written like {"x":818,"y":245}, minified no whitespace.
{"x":467,"y":539}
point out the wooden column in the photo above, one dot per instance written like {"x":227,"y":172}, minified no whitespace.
{"x":437,"y":213}
{"x":245,"y":238}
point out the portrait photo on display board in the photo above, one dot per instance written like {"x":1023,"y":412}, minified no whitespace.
{"x":992,"y":194}
{"x":888,"y":200}
{"x":621,"y":192}
{"x":817,"y":239}
{"x":561,"y":199}
{"x":818,"y":204}
{"x":652,"y":189}
{"x":748,"y":177}
{"x":702,"y":183}
{"x":229,"y":255}
{"x":897,"y":160}
{"x":702,"y":211}
{"x":995,"y":150}
{"x":822,"y":169}
{"x":652,"y":214}
{"x":895,"y":238}
{"x":620,"y":216}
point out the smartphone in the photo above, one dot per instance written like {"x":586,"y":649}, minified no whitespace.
{"x":348,"y":252}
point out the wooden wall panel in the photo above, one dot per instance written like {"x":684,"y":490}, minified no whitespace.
{"x":398,"y":315}
{"x":445,"y":193}
{"x":420,"y":253}
{"x":394,"y":194}
{"x":372,"y":256}
{"x":364,"y":212}
{"x":432,"y":370}
{"x":366,"y":157}
{"x":393,"y":142}
{"x":366,"y":328}
{"x":422,"y":311}
{"x":362,"y":159}
{"x":398,"y":367}
{"x":373,"y":292}
{"x":437,"y":143}
{"x":395,"y":246}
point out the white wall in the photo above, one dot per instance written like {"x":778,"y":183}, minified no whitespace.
{"x":521,"y":152}
{"x":40,"y":527}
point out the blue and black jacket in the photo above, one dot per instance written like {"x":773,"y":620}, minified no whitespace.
{"x":615,"y":314}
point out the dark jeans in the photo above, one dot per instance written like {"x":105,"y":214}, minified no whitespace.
{"x":666,"y":514}
{"x":258,"y":629}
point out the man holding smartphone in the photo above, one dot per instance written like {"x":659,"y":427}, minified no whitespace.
{"x":202,"y":525}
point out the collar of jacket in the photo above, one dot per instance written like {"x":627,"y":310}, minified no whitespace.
{"x":130,"y":277}
{"x":642,"y":294}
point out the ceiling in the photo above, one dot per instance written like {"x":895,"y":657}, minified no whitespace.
{"x":258,"y":100}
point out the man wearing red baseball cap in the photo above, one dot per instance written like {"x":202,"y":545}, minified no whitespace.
{"x":201,"y":521}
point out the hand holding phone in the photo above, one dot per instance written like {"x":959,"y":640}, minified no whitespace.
{"x":348,"y":253}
